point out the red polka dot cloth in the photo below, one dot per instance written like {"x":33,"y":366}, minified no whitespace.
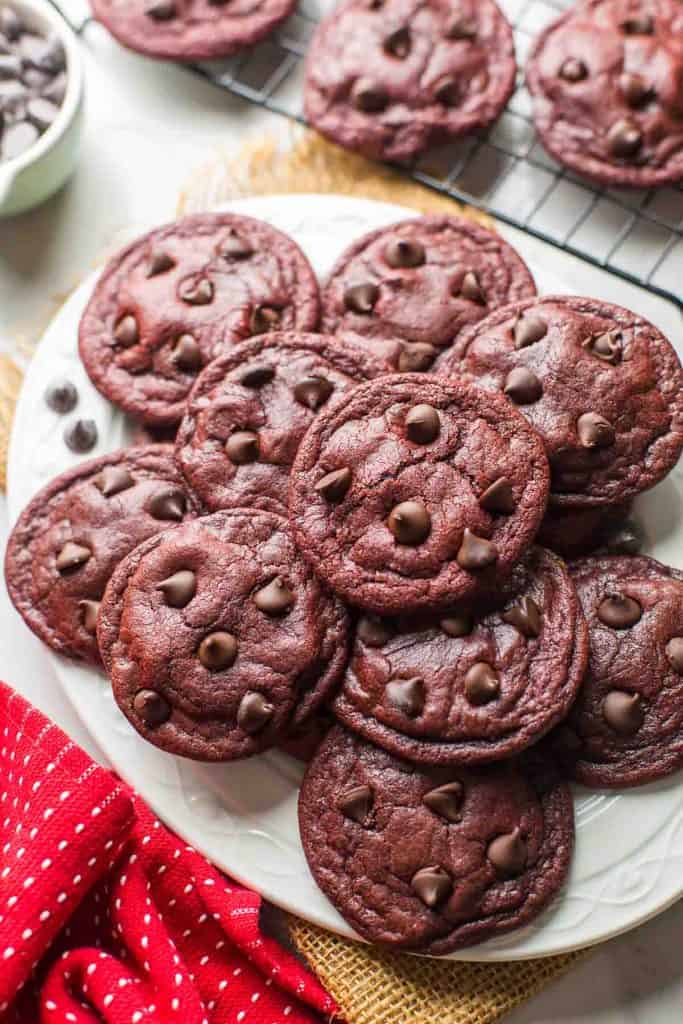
{"x":106,"y":916}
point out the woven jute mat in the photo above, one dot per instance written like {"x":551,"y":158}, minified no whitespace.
{"x":370,"y":985}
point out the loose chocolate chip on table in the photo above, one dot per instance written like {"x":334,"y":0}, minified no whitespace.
{"x":447,"y":90}
{"x":356,"y":803}
{"x":217,"y":651}
{"x":423,"y":424}
{"x":445,"y":801}
{"x":257,"y":376}
{"x":523,"y":386}
{"x":481,"y":683}
{"x":159,"y":263}
{"x":179,"y":589}
{"x":112,"y":480}
{"x":623,"y":712}
{"x":457,"y":624}
{"x":416,"y":357}
{"x":81,"y":436}
{"x":72,"y":556}
{"x":313,"y":391}
{"x":61,"y":396}
{"x":126,"y":331}
{"x":264,"y":319}
{"x":402,"y":253}
{"x":275,"y":598}
{"x":398,"y":43}
{"x":498,"y":497}
{"x":368,"y":97}
{"x":624,"y":139}
{"x":334,"y":485}
{"x":187,"y":354}
{"x":17,"y":138}
{"x":674,"y":652}
{"x":524,"y":616}
{"x":89,"y":610}
{"x":595,"y":431}
{"x":432,"y":885}
{"x":619,"y":611}
{"x":635,"y":89}
{"x":471,"y":290}
{"x":529,"y":330}
{"x":361,"y":298}
{"x":373,"y":631}
{"x":475,"y":552}
{"x":152,"y":707}
{"x":508,"y":854}
{"x":574,"y":70}
{"x":242,"y":447}
{"x":407,"y":695}
{"x":254,"y":712}
{"x":605,"y":346}
{"x":168,"y":505}
{"x":196,"y":292}
{"x":410,"y":522}
{"x":161,"y":10}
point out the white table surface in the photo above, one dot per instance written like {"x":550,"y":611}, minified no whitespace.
{"x":147,"y":127}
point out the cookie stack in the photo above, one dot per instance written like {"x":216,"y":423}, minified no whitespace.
{"x":347,"y":524}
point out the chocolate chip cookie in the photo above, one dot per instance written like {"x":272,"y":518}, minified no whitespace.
{"x":626,"y":727}
{"x":416,"y":492}
{"x":218,"y":637}
{"x":472,"y":684}
{"x":600,"y":384}
{"x":408,"y":290}
{"x":433,"y":859}
{"x":176,"y":298}
{"x":607,"y":81}
{"x":389,"y":78}
{"x":187,"y":30}
{"x":67,"y":541}
{"x":250,"y":408}
{"x":574,"y":532}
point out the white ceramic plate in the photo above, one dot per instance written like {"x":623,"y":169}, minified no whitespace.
{"x":629,"y":852}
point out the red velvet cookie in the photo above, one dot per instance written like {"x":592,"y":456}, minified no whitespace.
{"x":407,"y":291}
{"x":181,"y":295}
{"x":575,"y":532}
{"x":433,"y":859}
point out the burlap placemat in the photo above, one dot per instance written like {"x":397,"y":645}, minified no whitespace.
{"x":370,"y":985}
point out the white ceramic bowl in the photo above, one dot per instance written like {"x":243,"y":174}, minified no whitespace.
{"x":32,"y":176}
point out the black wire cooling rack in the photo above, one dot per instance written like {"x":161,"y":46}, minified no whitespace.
{"x":637,"y":235}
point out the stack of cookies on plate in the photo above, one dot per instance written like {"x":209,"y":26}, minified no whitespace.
{"x":348,"y":523}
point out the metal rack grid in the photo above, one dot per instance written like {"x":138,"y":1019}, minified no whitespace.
{"x":505,"y":171}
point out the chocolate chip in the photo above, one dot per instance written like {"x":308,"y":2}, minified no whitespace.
{"x":524,"y":616}
{"x":45,"y":54}
{"x":234,"y":247}
{"x":89,"y":610}
{"x":179,"y":589}
{"x":400,"y":253}
{"x":475,"y":552}
{"x":523,"y":386}
{"x":408,"y":695}
{"x":433,"y":885}
{"x":11,"y":24}
{"x":356,"y":803}
{"x":10,"y":66}
{"x":56,"y":89}
{"x":126,"y":331}
{"x":161,"y":10}
{"x":447,"y":90}
{"x":152,"y":707}
{"x":264,"y":319}
{"x":529,"y":330}
{"x":217,"y":651}
{"x":605,"y":346}
{"x":619,"y":611}
{"x":623,"y":712}
{"x":313,"y":391}
{"x":41,"y":112}
{"x":159,"y":263}
{"x":674,"y":652}
{"x":639,"y":25}
{"x":61,"y":396}
{"x":361,"y":298}
{"x":445,"y":801}
{"x":498,"y":497}
{"x":196,"y":291}
{"x":636,"y":90}
{"x":624,"y":139}
{"x":410,"y":522}
{"x":72,"y":556}
{"x":416,"y":357}
{"x":257,"y":376}
{"x":275,"y":598}
{"x":457,"y":624}
{"x":595,"y":431}
{"x":471,"y":290}
{"x":508,"y":854}
{"x":625,"y":538}
{"x":461,"y":27}
{"x":574,"y":70}
{"x":112,"y":480}
{"x":334,"y":485}
{"x":398,"y":43}
{"x":81,"y":436}
{"x":254,"y":712}
{"x":242,"y":447}
{"x":186,"y":354}
{"x":374,"y":632}
{"x":423,"y":424}
{"x":368,"y":97}
{"x":169,"y":504}
{"x":481,"y":683}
